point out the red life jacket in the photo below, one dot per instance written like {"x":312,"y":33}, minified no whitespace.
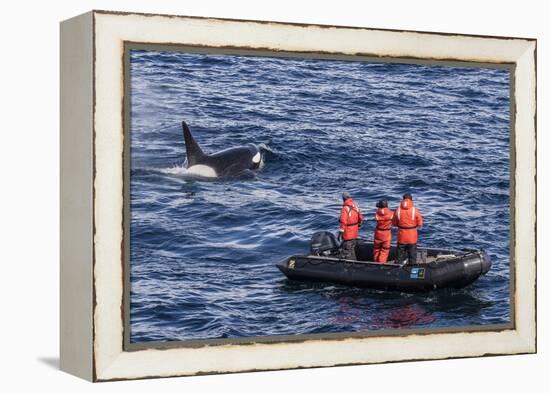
{"x":350,"y":220}
{"x":383,"y":219}
{"x":407,"y":218}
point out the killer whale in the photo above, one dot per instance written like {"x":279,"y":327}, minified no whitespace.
{"x":232,"y":162}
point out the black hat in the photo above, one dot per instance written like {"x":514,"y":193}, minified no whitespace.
{"x":408,"y":196}
{"x":382,"y":203}
{"x":345,"y":195}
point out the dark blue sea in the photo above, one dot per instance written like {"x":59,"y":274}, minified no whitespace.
{"x":203,"y":253}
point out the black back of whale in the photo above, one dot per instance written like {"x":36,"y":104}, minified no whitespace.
{"x":229,"y":162}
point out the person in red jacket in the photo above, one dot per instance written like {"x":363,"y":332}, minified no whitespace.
{"x":382,"y":233}
{"x":407,"y":219}
{"x":351,"y":219}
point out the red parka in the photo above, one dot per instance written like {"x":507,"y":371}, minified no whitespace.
{"x":351,"y":218}
{"x":383,"y":219}
{"x":382,"y":235}
{"x":407,"y":218}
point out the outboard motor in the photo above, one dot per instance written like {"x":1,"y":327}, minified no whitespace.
{"x":324,"y":243}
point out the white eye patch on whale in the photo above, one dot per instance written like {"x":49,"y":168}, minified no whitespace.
{"x":231,"y":162}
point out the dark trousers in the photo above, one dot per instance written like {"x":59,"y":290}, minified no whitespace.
{"x":347,"y":249}
{"x":406,"y":251}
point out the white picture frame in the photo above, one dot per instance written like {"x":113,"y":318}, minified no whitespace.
{"x":92,"y":195}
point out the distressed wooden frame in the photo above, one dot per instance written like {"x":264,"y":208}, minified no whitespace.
{"x":93,"y":166}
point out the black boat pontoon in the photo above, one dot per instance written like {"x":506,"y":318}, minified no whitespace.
{"x":434,"y":269}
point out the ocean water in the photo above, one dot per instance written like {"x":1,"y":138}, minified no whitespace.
{"x":203,"y":253}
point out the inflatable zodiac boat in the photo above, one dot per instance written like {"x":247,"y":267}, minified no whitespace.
{"x":434,"y":269}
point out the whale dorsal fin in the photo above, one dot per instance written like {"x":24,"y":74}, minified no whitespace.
{"x":194,"y":152}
